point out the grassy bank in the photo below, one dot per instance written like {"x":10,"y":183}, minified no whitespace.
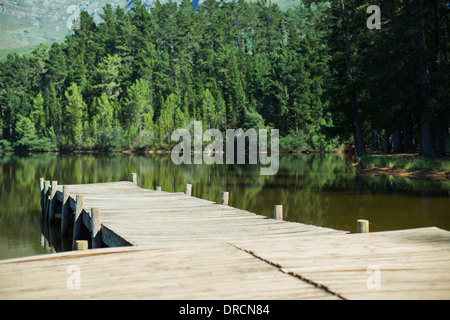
{"x":410,"y":165}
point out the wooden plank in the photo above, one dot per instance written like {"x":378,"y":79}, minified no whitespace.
{"x":86,"y":218}
{"x":66,"y":215}
{"x":52,"y":207}
{"x":78,"y":219}
{"x":96,"y":228}
{"x":112,"y":239}
{"x":406,"y":260}
{"x":222,"y":273}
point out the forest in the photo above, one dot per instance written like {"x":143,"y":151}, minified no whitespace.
{"x":316,"y":72}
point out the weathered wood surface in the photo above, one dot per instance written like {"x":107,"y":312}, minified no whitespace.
{"x":406,"y":264}
{"x":189,"y":248}
{"x":208,"y":271}
{"x":147,"y":217}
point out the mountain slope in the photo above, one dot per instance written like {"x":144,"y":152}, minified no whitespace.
{"x":26,"y":23}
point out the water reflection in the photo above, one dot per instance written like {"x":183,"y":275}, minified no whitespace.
{"x":320,"y":190}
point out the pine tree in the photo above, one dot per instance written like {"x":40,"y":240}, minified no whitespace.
{"x":38,"y":115}
{"x":316,"y":72}
{"x":166,"y":121}
{"x":137,"y":107}
{"x":53,"y":111}
{"x":108,"y":71}
{"x":105,"y":112}
{"x":73,"y":117}
{"x":24,"y":128}
{"x":208,"y":110}
{"x":10,"y":103}
{"x":56,"y":68}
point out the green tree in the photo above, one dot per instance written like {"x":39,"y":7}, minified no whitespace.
{"x":38,"y":115}
{"x":208,"y":110}
{"x":171,"y":118}
{"x":105,"y":112}
{"x":56,"y":68}
{"x":24,"y":128}
{"x":53,"y":111}
{"x":10,"y":103}
{"x":108,"y":71}
{"x":73,"y":117}
{"x":137,"y":106}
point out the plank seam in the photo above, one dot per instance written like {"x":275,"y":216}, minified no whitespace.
{"x":293,"y":274}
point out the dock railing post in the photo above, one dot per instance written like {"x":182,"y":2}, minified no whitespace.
{"x":362,"y":226}
{"x":96,"y":227}
{"x":78,"y":220}
{"x":224,"y":197}
{"x":158,"y":188}
{"x":278,"y":212}
{"x":188,"y":189}
{"x":65,"y":212}
{"x":52,"y":210}
{"x":134,"y":178}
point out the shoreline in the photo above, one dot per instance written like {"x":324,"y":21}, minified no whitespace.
{"x":374,"y":170}
{"x":128,"y":151}
{"x":407,"y":165}
{"x":429,"y":174}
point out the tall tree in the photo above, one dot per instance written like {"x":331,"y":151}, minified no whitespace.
{"x":73,"y":117}
{"x":426,"y":142}
{"x":357,"y":134}
{"x":137,"y":108}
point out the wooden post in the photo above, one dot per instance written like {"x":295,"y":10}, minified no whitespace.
{"x":45,"y":196}
{"x":78,"y":220}
{"x":134,"y":178}
{"x":96,"y":227}
{"x":41,"y":189}
{"x":158,"y":188}
{"x":362,"y":226}
{"x":47,"y":207}
{"x":278,"y":212}
{"x":224,"y":197}
{"x":52,"y":210}
{"x":188,"y":189}
{"x":81,"y":245}
{"x":65,"y":212}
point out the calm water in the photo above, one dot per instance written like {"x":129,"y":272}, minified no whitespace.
{"x":320,"y":190}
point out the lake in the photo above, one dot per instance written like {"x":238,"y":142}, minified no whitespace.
{"x":323,"y":190}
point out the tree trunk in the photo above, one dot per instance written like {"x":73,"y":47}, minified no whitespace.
{"x":374,"y":140}
{"x":359,"y":144}
{"x":440,"y":136}
{"x":408,"y":138}
{"x":426,"y":138}
{"x":397,"y":141}
{"x":357,"y":134}
{"x":387,"y":143}
{"x":426,"y":142}
{"x":446,"y":127}
{"x":441,"y":128}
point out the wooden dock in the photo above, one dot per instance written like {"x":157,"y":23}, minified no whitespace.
{"x":174,"y":246}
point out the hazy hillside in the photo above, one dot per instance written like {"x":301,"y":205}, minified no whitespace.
{"x":26,"y":23}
